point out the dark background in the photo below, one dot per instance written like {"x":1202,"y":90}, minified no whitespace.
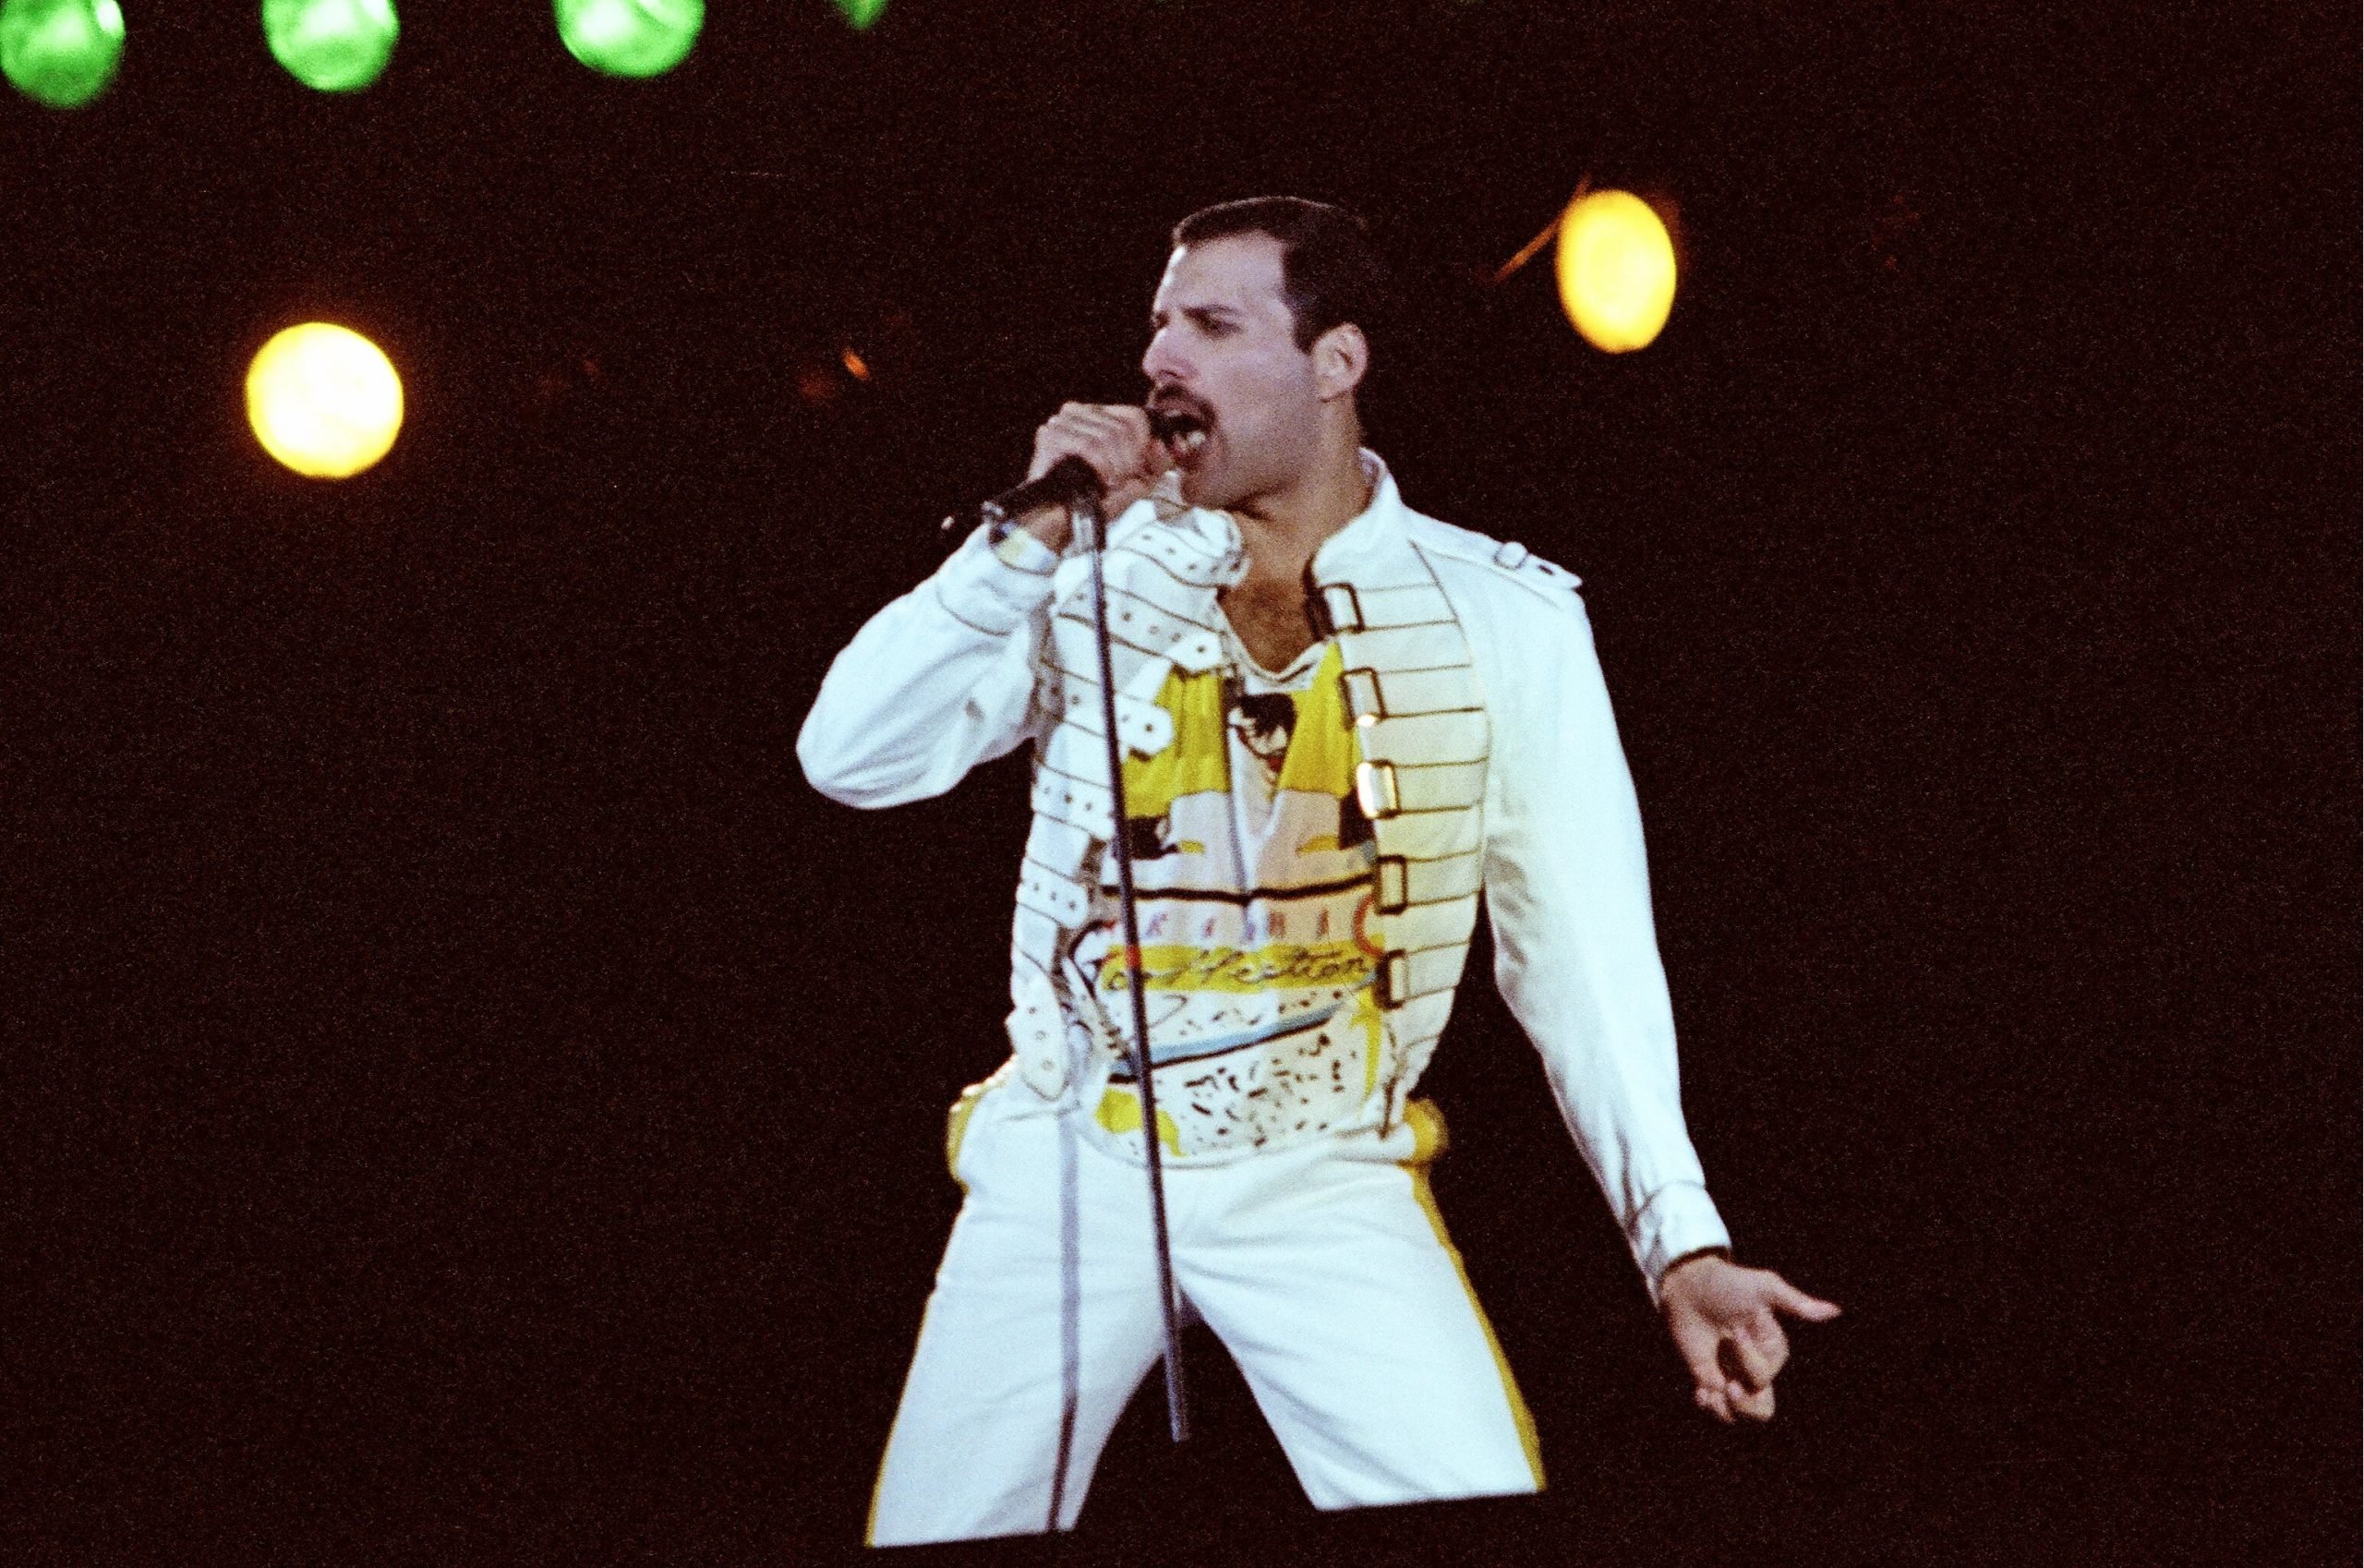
{"x":469,"y":1102}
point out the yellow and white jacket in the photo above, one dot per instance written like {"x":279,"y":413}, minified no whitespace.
{"x":1486,"y":757}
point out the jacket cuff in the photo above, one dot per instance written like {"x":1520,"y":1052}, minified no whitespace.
{"x":1679,"y":1219}
{"x":995,"y":588}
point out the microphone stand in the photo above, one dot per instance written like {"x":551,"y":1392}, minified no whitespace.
{"x":1085,"y":514}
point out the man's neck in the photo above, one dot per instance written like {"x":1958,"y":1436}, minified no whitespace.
{"x":1281,"y":531}
{"x":1267,"y":608}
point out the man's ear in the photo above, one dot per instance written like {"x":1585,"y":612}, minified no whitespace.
{"x":1340,"y":357}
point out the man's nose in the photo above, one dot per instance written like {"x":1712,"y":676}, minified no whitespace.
{"x":1162,"y":365}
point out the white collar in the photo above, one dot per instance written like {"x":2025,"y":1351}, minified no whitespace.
{"x":1372,"y":534}
{"x":1379,"y":530}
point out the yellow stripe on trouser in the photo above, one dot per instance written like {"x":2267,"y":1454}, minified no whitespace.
{"x":1427,"y":1141}
{"x":955,"y":1127}
{"x":878,"y":1484}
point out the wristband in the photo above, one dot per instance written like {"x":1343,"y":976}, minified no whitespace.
{"x":1013,"y":546}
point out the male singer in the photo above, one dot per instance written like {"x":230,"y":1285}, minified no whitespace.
{"x":1339,"y":720}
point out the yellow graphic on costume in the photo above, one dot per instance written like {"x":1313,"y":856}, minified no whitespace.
{"x":1253,"y":862}
{"x":1297,"y":802}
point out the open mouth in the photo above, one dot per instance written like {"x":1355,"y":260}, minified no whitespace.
{"x":1182,"y":425}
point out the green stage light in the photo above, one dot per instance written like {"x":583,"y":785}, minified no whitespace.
{"x":62,"y":52}
{"x":862,"y":13}
{"x":629,"y":38}
{"x":333,"y":45}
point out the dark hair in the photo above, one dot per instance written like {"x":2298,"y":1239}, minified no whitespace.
{"x":1330,"y":274}
{"x":1267,"y":713}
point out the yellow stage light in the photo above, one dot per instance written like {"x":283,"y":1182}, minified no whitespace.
{"x":324,"y":401}
{"x":1616,"y":268}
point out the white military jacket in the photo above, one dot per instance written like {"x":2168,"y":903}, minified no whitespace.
{"x":1490,"y":758}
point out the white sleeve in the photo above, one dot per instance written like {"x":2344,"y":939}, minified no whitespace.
{"x":936,"y":682}
{"x":1575,"y":953}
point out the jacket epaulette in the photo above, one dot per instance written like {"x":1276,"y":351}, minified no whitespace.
{"x":1552,"y":581}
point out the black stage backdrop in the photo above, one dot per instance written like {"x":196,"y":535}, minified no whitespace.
{"x":469,"y":1102}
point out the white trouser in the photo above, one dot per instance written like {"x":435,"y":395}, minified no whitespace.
{"x":1324,"y":1269}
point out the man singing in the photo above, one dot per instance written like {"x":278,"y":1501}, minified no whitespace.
{"x":1341,"y":720}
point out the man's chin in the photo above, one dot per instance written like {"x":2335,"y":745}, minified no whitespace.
{"x":1201,"y":490}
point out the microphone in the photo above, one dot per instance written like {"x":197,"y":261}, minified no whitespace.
{"x":1071,"y":479}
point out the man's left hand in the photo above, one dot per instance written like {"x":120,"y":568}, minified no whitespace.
{"x":1723,"y":1319}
